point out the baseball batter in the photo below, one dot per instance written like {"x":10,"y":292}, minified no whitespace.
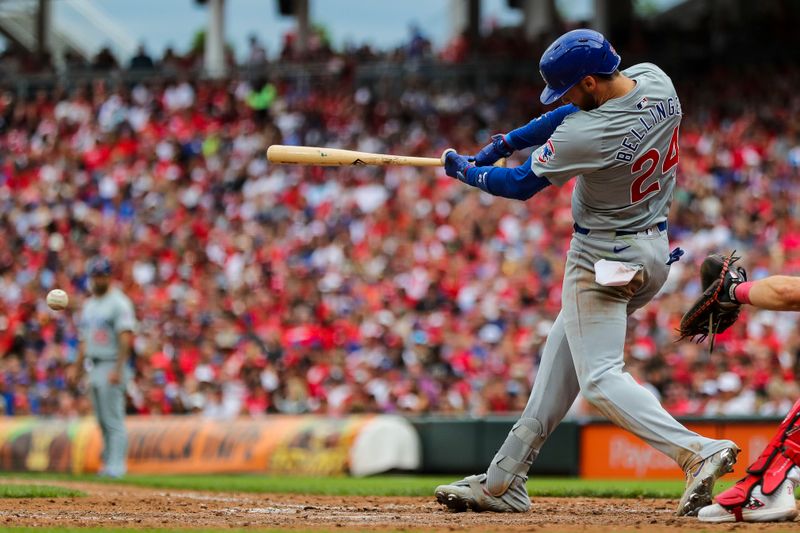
{"x":106,"y":329}
{"x":618,"y":133}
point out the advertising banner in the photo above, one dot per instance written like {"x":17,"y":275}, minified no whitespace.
{"x":608,"y":452}
{"x":280,"y":444}
{"x":28,"y":444}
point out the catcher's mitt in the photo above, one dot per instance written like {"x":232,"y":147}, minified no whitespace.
{"x":716,"y":309}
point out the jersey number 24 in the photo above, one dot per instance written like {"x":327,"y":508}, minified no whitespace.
{"x":638,"y":191}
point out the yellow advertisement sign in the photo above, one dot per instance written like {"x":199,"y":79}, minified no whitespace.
{"x":39,"y":445}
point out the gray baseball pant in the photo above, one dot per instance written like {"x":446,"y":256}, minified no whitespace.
{"x":584,"y":352}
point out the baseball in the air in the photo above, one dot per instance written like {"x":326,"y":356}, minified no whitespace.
{"x":57,"y":300}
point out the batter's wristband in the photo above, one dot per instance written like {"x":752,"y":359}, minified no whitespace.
{"x":502,"y":146}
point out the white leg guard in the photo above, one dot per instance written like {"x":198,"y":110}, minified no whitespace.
{"x":515,"y":456}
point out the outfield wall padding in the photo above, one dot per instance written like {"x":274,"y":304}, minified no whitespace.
{"x":588,"y":448}
{"x":458,"y":446}
{"x":278,"y":444}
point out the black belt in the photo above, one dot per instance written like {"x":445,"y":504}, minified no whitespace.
{"x":661,"y":226}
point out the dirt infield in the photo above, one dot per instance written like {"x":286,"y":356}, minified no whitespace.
{"x":125,"y":506}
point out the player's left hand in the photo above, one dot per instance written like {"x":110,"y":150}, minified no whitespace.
{"x":494,"y":151}
{"x":113,"y":377}
{"x":456,"y":165}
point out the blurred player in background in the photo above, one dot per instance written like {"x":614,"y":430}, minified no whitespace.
{"x":766,"y":493}
{"x":618,"y":132}
{"x":106,"y":327}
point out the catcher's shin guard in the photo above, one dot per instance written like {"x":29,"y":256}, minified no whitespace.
{"x":515,"y":455}
{"x":771,"y":468}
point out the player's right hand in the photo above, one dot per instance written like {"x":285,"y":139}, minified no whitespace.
{"x":456,"y":165}
{"x":497,"y":149}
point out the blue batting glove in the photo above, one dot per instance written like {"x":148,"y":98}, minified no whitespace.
{"x":497,"y":149}
{"x":456,"y":165}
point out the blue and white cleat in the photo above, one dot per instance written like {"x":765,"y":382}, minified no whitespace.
{"x":700,"y":479}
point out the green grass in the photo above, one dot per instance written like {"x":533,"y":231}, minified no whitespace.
{"x":391,"y":485}
{"x":400,"y":485}
{"x":37,"y":491}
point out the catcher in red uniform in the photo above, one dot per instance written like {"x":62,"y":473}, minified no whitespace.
{"x":766,"y":494}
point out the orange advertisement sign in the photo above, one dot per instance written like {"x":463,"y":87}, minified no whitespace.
{"x":192,"y":444}
{"x":608,"y":452}
{"x":751,"y":438}
{"x":276,"y":444}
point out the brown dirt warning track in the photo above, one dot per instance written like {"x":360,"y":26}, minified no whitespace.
{"x":133,"y":507}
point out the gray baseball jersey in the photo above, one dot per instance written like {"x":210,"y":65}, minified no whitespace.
{"x":625,"y":154}
{"x":102,"y":320}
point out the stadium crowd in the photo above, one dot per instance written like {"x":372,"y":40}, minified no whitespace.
{"x":291,"y":289}
{"x":496,"y":42}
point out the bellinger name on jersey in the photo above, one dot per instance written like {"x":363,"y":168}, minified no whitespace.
{"x":658,"y":112}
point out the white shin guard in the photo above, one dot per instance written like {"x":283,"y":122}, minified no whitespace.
{"x":515,"y":456}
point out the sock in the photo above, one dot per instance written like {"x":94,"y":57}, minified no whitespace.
{"x":742,"y":292}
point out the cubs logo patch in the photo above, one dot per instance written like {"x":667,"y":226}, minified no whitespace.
{"x":546,"y":152}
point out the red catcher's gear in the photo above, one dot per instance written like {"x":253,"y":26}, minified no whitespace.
{"x":771,"y":468}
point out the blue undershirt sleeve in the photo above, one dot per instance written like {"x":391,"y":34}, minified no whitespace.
{"x":537,"y":131}
{"x":519,"y":183}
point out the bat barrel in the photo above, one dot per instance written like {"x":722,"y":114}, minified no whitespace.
{"x":313,"y":155}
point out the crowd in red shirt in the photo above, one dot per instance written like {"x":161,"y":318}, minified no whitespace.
{"x":262,"y":288}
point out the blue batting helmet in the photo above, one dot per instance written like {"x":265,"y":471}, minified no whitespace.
{"x":573,"y":56}
{"x":99,"y":266}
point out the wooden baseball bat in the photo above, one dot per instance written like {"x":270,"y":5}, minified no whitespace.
{"x":331,"y":157}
